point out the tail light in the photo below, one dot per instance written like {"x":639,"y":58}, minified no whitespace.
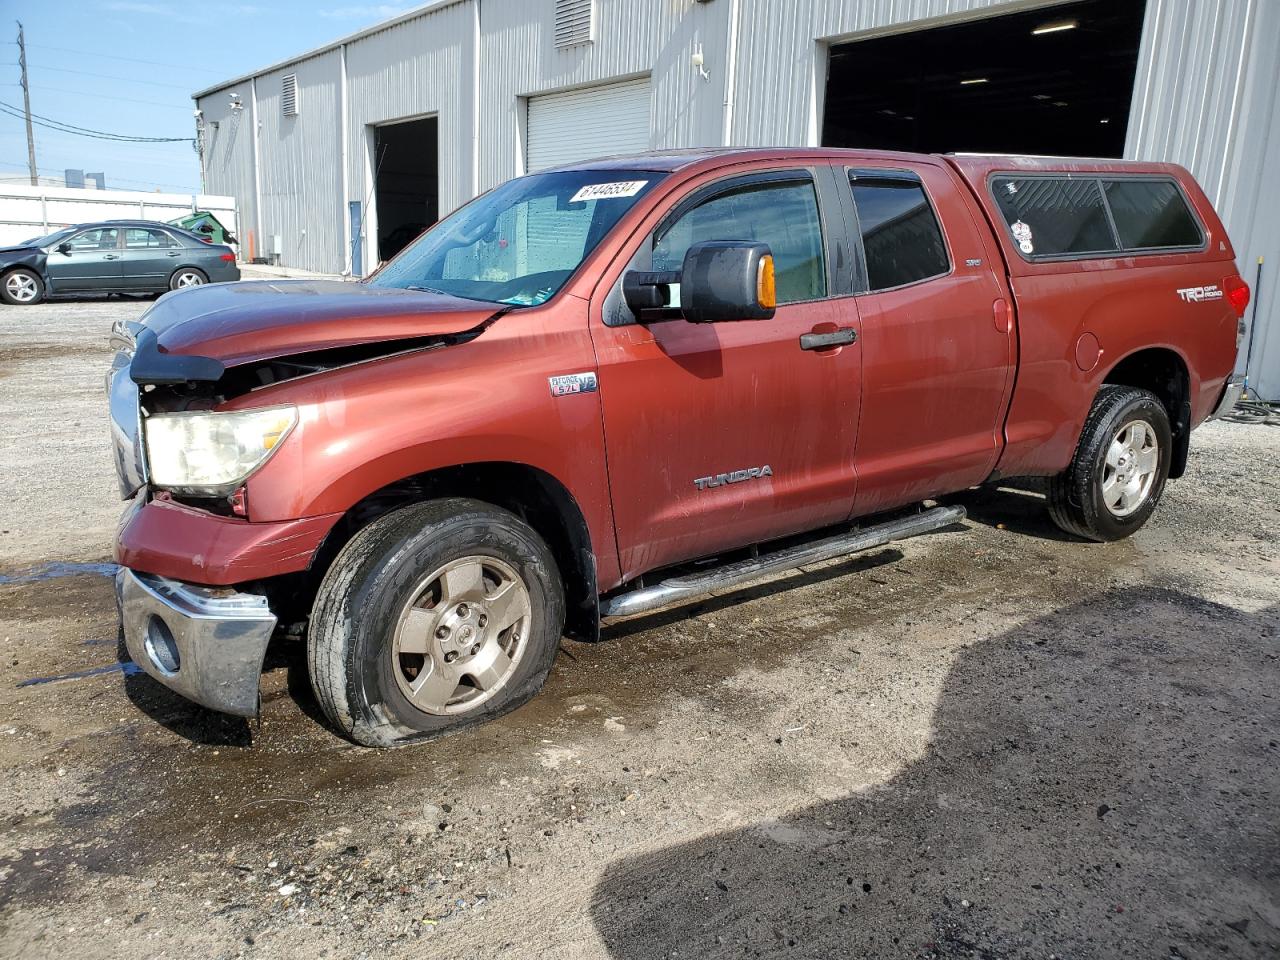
{"x":1237,"y":292}
{"x":231,"y":258}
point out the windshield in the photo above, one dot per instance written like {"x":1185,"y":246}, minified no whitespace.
{"x":51,"y":239}
{"x":519,"y":243}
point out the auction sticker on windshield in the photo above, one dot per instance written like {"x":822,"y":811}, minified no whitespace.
{"x":608,"y":191}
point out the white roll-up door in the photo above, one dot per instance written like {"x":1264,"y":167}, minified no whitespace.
{"x":591,"y":122}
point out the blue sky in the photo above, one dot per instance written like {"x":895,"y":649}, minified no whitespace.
{"x":130,"y":67}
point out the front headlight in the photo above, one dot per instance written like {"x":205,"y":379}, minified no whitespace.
{"x":213,"y":452}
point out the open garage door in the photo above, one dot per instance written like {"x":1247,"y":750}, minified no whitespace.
{"x":591,"y":122}
{"x":407,"y":182}
{"x":1054,"y":80}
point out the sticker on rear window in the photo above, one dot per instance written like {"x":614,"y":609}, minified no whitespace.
{"x":1022,"y":233}
{"x":608,"y":191}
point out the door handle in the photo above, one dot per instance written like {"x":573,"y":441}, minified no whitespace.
{"x":111,"y":256}
{"x":841,"y":337}
{"x":174,"y":253}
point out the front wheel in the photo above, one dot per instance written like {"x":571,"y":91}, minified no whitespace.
{"x":187,"y":277}
{"x":1120,"y":466}
{"x":22,"y":287}
{"x":434,"y":617}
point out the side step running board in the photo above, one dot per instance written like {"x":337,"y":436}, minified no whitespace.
{"x":721,"y":578}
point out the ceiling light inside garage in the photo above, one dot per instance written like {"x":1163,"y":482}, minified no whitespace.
{"x":966,"y":83}
{"x":1054,"y":27}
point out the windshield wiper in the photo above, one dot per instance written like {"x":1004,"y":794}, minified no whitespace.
{"x":422,"y":289}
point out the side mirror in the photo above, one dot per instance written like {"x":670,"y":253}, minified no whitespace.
{"x":64,"y":247}
{"x":728,"y":280}
{"x":720,"y":280}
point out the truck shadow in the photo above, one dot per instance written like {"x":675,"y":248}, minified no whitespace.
{"x":176,"y":713}
{"x":1094,"y":786}
{"x":1018,"y":505}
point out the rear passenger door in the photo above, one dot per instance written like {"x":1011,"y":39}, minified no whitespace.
{"x":937,"y":337}
{"x":149,"y":256}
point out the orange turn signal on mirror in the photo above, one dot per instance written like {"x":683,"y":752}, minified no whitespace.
{"x":766,"y":289}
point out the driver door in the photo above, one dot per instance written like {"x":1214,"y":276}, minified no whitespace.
{"x":725,"y":434}
{"x":90,"y":262}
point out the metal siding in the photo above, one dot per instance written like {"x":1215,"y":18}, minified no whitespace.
{"x":1206,"y":98}
{"x":633,"y":38}
{"x":417,"y":67}
{"x":228,"y":155}
{"x":300,"y":171}
{"x":781,"y":64}
{"x":588,"y":122}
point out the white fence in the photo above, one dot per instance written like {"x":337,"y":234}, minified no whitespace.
{"x":27,"y":211}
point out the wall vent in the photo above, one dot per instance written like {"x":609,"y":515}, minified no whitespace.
{"x":575,"y":22}
{"x":289,"y":95}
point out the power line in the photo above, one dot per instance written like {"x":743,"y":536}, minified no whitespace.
{"x":62,"y":127}
{"x":109,"y":56}
{"x":77,"y":127}
{"x":109,"y":76}
{"x":44,"y":88}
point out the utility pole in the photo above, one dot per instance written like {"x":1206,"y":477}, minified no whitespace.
{"x":26,"y":105}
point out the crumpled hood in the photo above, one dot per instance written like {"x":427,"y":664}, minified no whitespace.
{"x":236,"y":323}
{"x":19,"y":251}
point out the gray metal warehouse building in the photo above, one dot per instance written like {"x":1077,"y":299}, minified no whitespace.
{"x":340,"y":155}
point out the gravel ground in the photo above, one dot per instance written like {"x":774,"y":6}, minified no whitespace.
{"x":992,"y":742}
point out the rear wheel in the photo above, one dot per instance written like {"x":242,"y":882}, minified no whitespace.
{"x":1120,"y":467}
{"x":187,"y":277}
{"x":22,"y":287}
{"x":432,"y":618}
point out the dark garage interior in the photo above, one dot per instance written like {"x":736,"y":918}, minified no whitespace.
{"x":1056,"y":80}
{"x":407,"y":182}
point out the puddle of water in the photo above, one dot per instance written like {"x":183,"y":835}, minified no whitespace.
{"x":128,"y":668}
{"x":51,"y":571}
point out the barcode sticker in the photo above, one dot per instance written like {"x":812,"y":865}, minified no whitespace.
{"x":608,"y":191}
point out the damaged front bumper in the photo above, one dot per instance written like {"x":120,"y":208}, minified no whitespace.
{"x":205,"y":643}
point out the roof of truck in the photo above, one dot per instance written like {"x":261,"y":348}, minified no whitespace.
{"x":973,"y":164}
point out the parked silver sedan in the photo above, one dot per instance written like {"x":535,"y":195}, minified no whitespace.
{"x":116,"y":256}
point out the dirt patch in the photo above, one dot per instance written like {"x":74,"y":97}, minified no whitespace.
{"x":994,"y":742}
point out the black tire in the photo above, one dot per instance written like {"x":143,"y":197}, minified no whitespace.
{"x":351,"y":647}
{"x":12,"y":296}
{"x":1076,"y":500}
{"x":175,"y":281}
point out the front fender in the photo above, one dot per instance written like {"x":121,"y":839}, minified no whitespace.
{"x":367,"y":426}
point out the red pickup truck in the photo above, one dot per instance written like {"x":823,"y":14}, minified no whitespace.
{"x":588,"y":377}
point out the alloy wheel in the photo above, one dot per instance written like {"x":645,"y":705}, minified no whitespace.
{"x":22,"y":287}
{"x":462,"y":635}
{"x":1133,"y":461}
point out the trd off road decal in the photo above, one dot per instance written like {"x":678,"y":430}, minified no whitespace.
{"x":1200,"y":294}
{"x":571,"y":383}
{"x":737,"y":476}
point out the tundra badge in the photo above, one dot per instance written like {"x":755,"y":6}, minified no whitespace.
{"x":737,"y":476}
{"x":568,"y":383}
